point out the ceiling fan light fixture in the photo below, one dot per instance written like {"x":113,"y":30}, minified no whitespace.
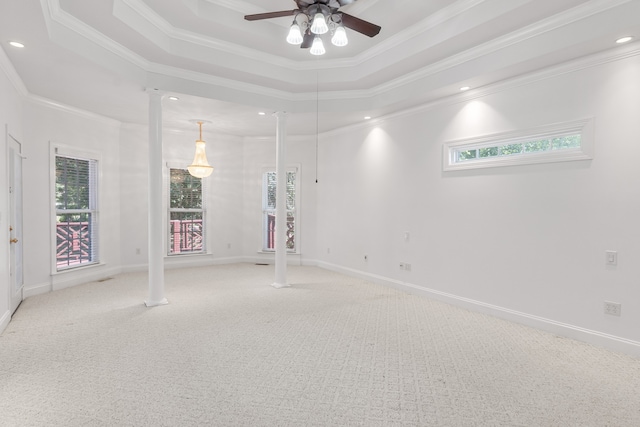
{"x":317,"y":48}
{"x":319,"y":24}
{"x":340,"y":37}
{"x":295,"y":34}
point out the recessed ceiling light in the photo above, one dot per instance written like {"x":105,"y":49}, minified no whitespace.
{"x":16,"y":44}
{"x":367,"y":117}
{"x":262,"y":113}
{"x":463,"y":88}
{"x":624,"y":39}
{"x":173,"y":98}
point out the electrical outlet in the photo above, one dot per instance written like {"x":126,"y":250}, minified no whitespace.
{"x":407,"y":266}
{"x":612,"y":308}
{"x":402,"y":266}
{"x":366,"y":258}
{"x":137,"y":251}
{"x":611,"y":258}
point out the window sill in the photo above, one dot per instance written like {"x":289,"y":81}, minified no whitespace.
{"x":196,"y":254}
{"x":80,"y":268}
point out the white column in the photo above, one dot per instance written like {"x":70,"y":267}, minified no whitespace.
{"x":156,"y":227}
{"x":281,"y":201}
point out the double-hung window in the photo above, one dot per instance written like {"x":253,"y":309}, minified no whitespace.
{"x":269,"y":187}
{"x":186,"y":213}
{"x":76,"y":211}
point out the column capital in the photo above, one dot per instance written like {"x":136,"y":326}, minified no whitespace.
{"x":154,"y":92}
{"x":280,"y":114}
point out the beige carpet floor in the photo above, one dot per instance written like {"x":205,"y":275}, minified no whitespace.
{"x":230,"y":350}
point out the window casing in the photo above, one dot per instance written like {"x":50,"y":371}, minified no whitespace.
{"x":269,"y":187}
{"x":186,"y":213}
{"x":76,"y":212}
{"x":554,"y":143}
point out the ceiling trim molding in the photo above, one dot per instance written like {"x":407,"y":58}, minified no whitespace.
{"x":55,"y":105}
{"x":239,"y":6}
{"x":12,"y":75}
{"x":590,"y":61}
{"x":370,"y":94}
{"x":519,"y":36}
{"x":61,"y":17}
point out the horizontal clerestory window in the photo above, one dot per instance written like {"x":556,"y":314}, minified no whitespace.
{"x":554,"y":143}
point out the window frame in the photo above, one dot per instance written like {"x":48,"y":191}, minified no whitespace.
{"x":169,"y":210}
{"x":58,"y":150}
{"x":584,"y":128}
{"x":264,"y":210}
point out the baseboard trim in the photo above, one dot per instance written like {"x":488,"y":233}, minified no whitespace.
{"x":600,"y":339}
{"x":80,"y":277}
{"x":37,"y":289}
{"x":4,"y":321}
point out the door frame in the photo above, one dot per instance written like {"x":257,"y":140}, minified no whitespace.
{"x":15,"y":195}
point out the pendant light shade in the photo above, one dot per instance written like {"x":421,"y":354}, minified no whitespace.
{"x":295,"y":35}
{"x":339,"y":37}
{"x":200,"y":167}
{"x":317,"y":48}
{"x":319,"y":24}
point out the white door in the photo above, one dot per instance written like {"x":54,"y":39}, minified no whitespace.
{"x":14,"y":160}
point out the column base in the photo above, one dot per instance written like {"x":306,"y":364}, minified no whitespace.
{"x":163,"y":301}
{"x":280,"y":285}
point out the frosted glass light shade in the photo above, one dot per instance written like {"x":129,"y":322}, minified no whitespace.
{"x":319,"y":25}
{"x":340,"y":37}
{"x":317,"y":48}
{"x":200,"y":167}
{"x":295,"y":35}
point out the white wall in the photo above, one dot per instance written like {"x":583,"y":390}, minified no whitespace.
{"x":48,"y":125}
{"x":223,"y":194}
{"x":260,"y":153}
{"x":522,"y":242}
{"x":10,"y":116}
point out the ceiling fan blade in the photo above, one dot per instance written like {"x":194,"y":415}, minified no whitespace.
{"x":357,"y":24}
{"x":345,"y":2}
{"x":307,"y":40}
{"x":269,"y":15}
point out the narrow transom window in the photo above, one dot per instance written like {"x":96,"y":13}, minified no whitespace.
{"x":76,"y":212}
{"x":563,"y":142}
{"x":186,"y":213}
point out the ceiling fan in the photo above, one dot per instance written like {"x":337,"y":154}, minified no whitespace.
{"x":318,"y":17}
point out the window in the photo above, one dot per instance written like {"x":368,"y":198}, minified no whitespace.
{"x":186,"y":213}
{"x":563,"y":142}
{"x":269,"y":186}
{"x":76,"y":212}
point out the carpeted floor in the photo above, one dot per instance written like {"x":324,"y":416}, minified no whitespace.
{"x":230,"y":350}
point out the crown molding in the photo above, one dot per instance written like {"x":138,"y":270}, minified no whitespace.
{"x":519,"y":36}
{"x":84,"y":114}
{"x":12,"y":75}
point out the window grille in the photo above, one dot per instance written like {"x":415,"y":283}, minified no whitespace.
{"x":76,"y":212}
{"x":269,"y":210}
{"x":186,"y":213}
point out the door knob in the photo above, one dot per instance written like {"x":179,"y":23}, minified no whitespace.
{"x":13,"y":241}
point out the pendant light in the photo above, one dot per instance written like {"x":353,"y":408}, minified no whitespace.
{"x":200,"y":167}
{"x":317,"y":48}
{"x":340,"y":37}
{"x":319,"y":24}
{"x":295,"y":34}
